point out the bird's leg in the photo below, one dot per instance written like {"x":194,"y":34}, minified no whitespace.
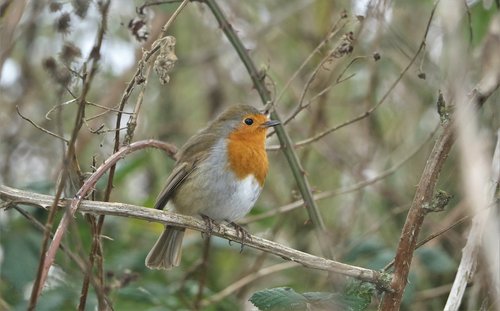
{"x":209,"y":222}
{"x":242,"y":233}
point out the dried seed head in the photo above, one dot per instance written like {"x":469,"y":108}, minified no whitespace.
{"x":63,"y":76}
{"x":63,"y":23}
{"x":59,"y":74}
{"x":49,"y":64}
{"x":345,"y":46}
{"x":139,"y":28}
{"x":69,"y":52}
{"x":166,"y":60}
{"x":81,"y":7}
{"x":55,"y":6}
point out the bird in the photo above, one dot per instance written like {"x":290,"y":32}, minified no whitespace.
{"x":219,"y":175}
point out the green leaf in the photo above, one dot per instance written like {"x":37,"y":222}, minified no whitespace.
{"x":280,"y":298}
{"x":327,"y":301}
{"x":358,"y":295}
{"x":356,"y":298}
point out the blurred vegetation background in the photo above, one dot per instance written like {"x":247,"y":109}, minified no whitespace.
{"x":44,"y":48}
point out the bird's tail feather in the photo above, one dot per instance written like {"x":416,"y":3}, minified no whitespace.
{"x":166,"y":253}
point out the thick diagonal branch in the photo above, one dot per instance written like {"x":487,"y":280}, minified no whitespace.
{"x":15,"y":196}
{"x":416,"y":214}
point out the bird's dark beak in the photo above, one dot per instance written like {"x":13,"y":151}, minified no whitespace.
{"x":270,"y":123}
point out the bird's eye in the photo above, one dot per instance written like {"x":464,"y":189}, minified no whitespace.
{"x":248,"y":121}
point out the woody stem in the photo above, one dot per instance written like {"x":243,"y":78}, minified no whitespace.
{"x":12,"y":197}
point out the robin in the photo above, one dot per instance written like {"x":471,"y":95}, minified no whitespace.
{"x":219,"y":175}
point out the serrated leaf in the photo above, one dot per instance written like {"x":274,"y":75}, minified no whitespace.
{"x":285,"y":298}
{"x":280,"y":298}
{"x":358,"y":295}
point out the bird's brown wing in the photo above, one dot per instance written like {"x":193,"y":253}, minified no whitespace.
{"x":194,"y":151}
{"x":177,"y":176}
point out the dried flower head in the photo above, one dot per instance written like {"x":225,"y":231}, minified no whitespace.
{"x":59,"y":74}
{"x":69,"y":52}
{"x":55,"y":6}
{"x":139,"y":28}
{"x":81,"y":7}
{"x":166,"y":60}
{"x":49,"y":64}
{"x":63,"y":23}
{"x":345,"y":46}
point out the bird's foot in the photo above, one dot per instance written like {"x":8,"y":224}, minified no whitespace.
{"x":241,"y":233}
{"x":209,"y":223}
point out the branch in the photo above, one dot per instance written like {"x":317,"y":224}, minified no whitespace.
{"x":479,"y":174}
{"x":415,"y":218}
{"x":344,"y":190}
{"x":468,"y":263}
{"x":88,"y":186}
{"x":69,"y":157}
{"x":96,"y":246}
{"x":16,"y":196}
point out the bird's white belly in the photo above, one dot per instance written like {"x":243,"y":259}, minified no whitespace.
{"x":234,"y":202}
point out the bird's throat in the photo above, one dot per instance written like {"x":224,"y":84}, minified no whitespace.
{"x":248,"y":157}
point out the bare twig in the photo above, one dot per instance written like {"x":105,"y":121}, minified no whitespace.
{"x":39,"y":127}
{"x":85,"y":190}
{"x":82,"y":265}
{"x":39,"y":226}
{"x":341,"y":191}
{"x":203,"y":268}
{"x":333,"y":31}
{"x":480,"y":223}
{"x":93,"y":58}
{"x":140,"y":9}
{"x":480,"y":173}
{"x":300,"y":105}
{"x":432,"y":237}
{"x":227,"y":232}
{"x":96,"y":248}
{"x":247,"y":280}
{"x":380,"y":102}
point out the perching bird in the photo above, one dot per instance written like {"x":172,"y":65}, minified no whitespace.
{"x":219,"y":174}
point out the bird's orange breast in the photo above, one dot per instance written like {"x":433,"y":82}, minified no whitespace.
{"x":247,"y":155}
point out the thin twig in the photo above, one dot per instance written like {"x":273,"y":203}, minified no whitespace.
{"x":333,"y":31}
{"x":432,"y":237}
{"x":140,"y":9}
{"x":39,"y":226}
{"x":247,"y":280}
{"x":367,"y":113}
{"x":49,"y":255}
{"x":203,"y":268}
{"x":345,"y":190}
{"x":300,"y":105}
{"x":81,"y":264}
{"x":39,"y":127}
{"x":96,"y":248}
{"x":94,"y":56}
{"x":472,"y":248}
